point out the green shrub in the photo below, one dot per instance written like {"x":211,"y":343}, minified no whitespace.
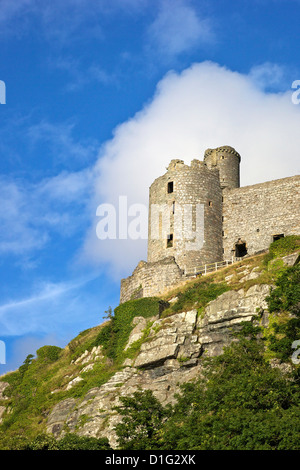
{"x":285,"y":297}
{"x":114,"y":336}
{"x":282,"y":247}
{"x":198,"y":295}
{"x":287,"y":291}
{"x":48,"y":353}
{"x":74,"y":442}
{"x":68,"y":442}
{"x":143,"y":416}
{"x":239,"y":403}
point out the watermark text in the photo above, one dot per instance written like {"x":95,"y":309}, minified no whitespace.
{"x":180,"y":222}
{"x":296,"y":354}
{"x":2,"y":92}
{"x":296,"y":93}
{"x":2,"y":353}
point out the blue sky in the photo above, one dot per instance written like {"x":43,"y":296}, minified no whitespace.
{"x":100,"y":95}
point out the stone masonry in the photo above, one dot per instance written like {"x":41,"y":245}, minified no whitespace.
{"x":257,"y":213}
{"x":199,"y":215}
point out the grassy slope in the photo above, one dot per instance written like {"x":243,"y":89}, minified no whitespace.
{"x":41,"y":382}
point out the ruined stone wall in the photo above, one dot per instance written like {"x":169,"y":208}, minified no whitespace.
{"x":195,"y":186}
{"x":256,"y":213}
{"x":151,"y":279}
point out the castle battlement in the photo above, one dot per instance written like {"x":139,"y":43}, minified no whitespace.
{"x":198,"y":214}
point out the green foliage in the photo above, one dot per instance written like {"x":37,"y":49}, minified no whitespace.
{"x":287,"y":292}
{"x":198,"y":295}
{"x":241,"y":403}
{"x":143,"y":416}
{"x":114,"y":336}
{"x":285,"y":297}
{"x":70,"y":441}
{"x":248,"y":330}
{"x":24,"y":367}
{"x":74,"y":442}
{"x":282,"y":247}
{"x":78,"y":344}
{"x":48,"y":353}
{"x":42,"y":442}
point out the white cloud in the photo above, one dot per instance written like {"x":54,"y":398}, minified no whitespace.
{"x":81,"y":76}
{"x":9,"y":9}
{"x":269,"y":76}
{"x":178,"y":28}
{"x":18,"y":233}
{"x":49,"y":305}
{"x":63,"y":21}
{"x":205,"y":106}
{"x":31,"y":213}
{"x":61,"y":143}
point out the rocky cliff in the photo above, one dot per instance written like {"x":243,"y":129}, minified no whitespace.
{"x":171,"y":355}
{"x":161,"y":351}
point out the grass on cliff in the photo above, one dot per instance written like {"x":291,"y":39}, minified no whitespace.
{"x":114,"y":336}
{"x":40,"y":383}
{"x":196,"y":295}
{"x":197,"y":292}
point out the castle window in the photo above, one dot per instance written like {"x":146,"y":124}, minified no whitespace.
{"x":277,"y":237}
{"x":222,"y":157}
{"x":210,"y":203}
{"x":170,"y":240}
{"x":173,"y":207}
{"x":223,"y":233}
{"x":170,"y":187}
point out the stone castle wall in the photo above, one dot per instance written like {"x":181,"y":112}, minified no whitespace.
{"x":151,"y":279}
{"x":256,"y":213}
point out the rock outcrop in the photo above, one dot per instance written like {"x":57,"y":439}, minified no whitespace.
{"x":171,"y":355}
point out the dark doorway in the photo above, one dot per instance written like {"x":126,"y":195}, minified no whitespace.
{"x":240,"y":249}
{"x":277,"y":237}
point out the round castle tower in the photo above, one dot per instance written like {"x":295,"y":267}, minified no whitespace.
{"x":185,"y":215}
{"x":227,"y":160}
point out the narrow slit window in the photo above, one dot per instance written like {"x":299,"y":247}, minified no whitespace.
{"x":170,"y":240}
{"x":210,"y":203}
{"x":170,"y":187}
{"x":173,"y":207}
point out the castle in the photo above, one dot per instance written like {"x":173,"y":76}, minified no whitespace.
{"x":199,"y":214}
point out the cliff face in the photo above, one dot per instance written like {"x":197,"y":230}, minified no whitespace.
{"x":171,"y":355}
{"x":150,"y":343}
